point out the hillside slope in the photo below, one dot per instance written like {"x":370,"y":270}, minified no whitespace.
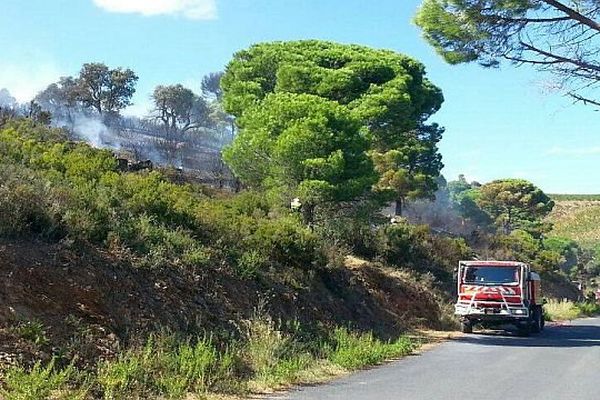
{"x":578,"y":220}
{"x":92,"y":306}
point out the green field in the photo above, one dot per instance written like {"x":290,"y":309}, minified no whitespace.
{"x":577,"y":218}
{"x":575,"y":197}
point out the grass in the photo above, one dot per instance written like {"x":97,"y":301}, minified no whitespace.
{"x":354,"y":351}
{"x":40,"y":382}
{"x":564,"y":310}
{"x":589,"y":309}
{"x":32,"y":331}
{"x":166,"y":367}
{"x":266,"y":358}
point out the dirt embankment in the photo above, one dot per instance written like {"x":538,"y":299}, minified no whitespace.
{"x":91,"y":305}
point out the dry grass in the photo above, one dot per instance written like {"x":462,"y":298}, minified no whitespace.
{"x":565,"y":310}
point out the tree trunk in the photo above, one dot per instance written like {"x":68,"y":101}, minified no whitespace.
{"x":398,"y":211}
{"x":308,"y":214}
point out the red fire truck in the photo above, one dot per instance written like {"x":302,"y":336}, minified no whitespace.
{"x":496,"y":293}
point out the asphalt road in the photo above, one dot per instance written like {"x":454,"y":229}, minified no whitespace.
{"x":562,"y":363}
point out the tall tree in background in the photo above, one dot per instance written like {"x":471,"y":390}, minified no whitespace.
{"x":98,"y":88}
{"x":61,"y":100}
{"x":6,"y":99}
{"x":105,"y":90}
{"x":211,"y":89}
{"x":558,"y":36}
{"x":386,"y":91}
{"x":514,"y":204}
{"x":464,"y":197}
{"x":179,"y":111}
{"x":211,"y":85}
{"x":178,"y":108}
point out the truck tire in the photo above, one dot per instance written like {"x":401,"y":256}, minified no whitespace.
{"x":543,"y":319}
{"x":466,"y":327}
{"x":536,"y":320}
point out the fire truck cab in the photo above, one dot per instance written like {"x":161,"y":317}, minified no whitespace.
{"x":496,"y":293}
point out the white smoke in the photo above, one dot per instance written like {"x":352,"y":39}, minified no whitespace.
{"x":90,"y":129}
{"x":93,"y":131}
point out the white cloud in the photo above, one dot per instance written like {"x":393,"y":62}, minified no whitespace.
{"x":26,"y":81}
{"x":573,"y":151}
{"x":192,"y":9}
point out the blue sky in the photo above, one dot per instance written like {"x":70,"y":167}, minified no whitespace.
{"x":499,"y":123}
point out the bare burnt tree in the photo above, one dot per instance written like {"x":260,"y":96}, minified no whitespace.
{"x":557,"y":36}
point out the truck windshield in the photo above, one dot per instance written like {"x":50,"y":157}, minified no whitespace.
{"x":491,"y":275}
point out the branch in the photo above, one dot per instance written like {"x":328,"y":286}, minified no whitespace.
{"x":585,"y":100}
{"x":573,"y":14}
{"x":530,"y":20}
{"x":579,"y":63}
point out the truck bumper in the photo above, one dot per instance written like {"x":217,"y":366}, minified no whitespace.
{"x":512,"y":314}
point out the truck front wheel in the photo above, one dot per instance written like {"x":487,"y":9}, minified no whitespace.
{"x":466,"y":327}
{"x":537,"y":320}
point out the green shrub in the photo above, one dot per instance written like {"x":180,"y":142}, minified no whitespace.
{"x":286,"y":241}
{"x":27,"y":204}
{"x":194,"y":368}
{"x":129,"y":374}
{"x":38,"y":383}
{"x":401,"y":242}
{"x":250,"y":263}
{"x":274,"y":356}
{"x":589,"y":308}
{"x":33,"y":331}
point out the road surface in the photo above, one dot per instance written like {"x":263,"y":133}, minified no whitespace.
{"x":562,"y":363}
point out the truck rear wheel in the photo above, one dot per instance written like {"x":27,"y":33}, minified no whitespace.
{"x":537,"y":317}
{"x":466,"y":327}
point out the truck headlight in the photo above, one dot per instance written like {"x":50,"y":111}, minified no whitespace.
{"x":519,"y":311}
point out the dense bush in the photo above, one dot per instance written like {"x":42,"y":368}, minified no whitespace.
{"x":400,"y":243}
{"x":53,"y":189}
{"x":545,"y":256}
{"x":28,"y":204}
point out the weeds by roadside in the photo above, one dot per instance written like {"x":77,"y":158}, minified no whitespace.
{"x":556,"y":310}
{"x":266,"y":358}
{"x":588,"y":308}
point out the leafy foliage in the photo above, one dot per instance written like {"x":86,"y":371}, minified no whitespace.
{"x":306,"y":143}
{"x":99,"y":88}
{"x":552,"y":35}
{"x":41,"y":382}
{"x":514,"y":203}
{"x":383,"y":92}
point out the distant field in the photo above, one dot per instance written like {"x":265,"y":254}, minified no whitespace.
{"x":575,"y":197}
{"x":577,"y":217}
